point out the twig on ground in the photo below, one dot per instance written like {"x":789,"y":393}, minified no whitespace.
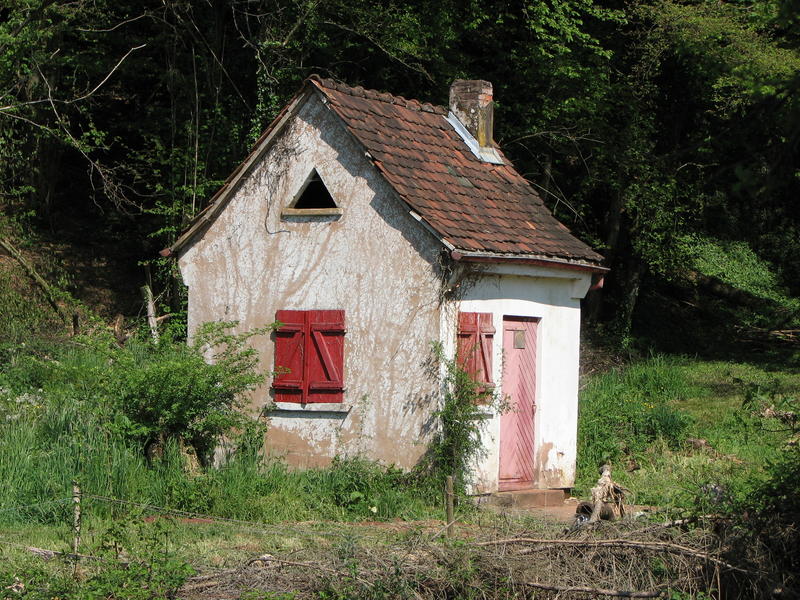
{"x":595,"y":591}
{"x":620,"y":543}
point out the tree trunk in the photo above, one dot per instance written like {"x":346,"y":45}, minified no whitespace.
{"x":613,"y":223}
{"x":629,"y":287}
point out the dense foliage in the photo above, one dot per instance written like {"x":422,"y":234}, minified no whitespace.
{"x":168,"y":391}
{"x":642,"y":124}
{"x":623,"y":413}
{"x":457,"y":447}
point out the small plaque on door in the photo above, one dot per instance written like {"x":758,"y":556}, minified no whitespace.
{"x":519,"y":339}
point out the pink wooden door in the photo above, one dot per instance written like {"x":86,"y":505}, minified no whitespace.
{"x":519,"y":390}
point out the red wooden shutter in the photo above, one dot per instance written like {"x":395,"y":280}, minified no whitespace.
{"x":325,"y":356}
{"x":309,"y":356}
{"x":475,"y":338}
{"x":290,"y":356}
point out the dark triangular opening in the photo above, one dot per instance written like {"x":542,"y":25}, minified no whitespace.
{"x":315,"y":195}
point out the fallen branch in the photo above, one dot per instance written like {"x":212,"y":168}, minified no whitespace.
{"x":48,"y":292}
{"x":291,"y":563}
{"x":667,"y":525}
{"x":199,"y":582}
{"x":46,"y":554}
{"x":619,"y":543}
{"x":199,"y":586}
{"x":595,"y":591}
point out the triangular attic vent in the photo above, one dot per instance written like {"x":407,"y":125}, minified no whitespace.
{"x":314,"y":194}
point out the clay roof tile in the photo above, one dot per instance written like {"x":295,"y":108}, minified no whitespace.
{"x":475,"y":205}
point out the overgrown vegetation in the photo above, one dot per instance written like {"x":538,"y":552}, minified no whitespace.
{"x":683,"y":433}
{"x":137,"y":562}
{"x":190,"y":393}
{"x":640,"y":123}
{"x":457,"y":446}
{"x":77,"y":415}
{"x":664,"y":133}
{"x":624,"y":412}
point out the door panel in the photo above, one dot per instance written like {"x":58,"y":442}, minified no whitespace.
{"x":517,"y":469}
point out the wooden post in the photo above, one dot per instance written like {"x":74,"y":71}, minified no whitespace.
{"x":147,"y":293}
{"x":76,"y":520}
{"x":449,"y":496}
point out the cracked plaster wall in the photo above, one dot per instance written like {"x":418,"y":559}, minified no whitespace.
{"x":373,"y":261}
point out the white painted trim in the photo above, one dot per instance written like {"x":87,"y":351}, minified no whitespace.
{"x":339,"y":408}
{"x":581,"y":280}
{"x":522,"y":259}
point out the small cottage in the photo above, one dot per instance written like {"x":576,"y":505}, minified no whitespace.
{"x":371,"y":226}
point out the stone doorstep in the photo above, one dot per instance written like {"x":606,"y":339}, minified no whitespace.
{"x":530,"y":498}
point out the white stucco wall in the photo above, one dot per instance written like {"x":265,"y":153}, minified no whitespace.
{"x":374,"y":261}
{"x":553,"y":296}
{"x":381,"y":267}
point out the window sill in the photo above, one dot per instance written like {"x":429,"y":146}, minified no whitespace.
{"x":311,"y":212}
{"x":341,"y":408}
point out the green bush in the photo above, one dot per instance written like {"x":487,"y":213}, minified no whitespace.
{"x":623,"y":412}
{"x":86,"y":410}
{"x":762,"y":527}
{"x":169,"y":391}
{"x":152,"y":571}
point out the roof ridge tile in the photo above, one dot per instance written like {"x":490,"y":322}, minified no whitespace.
{"x":370,"y":94}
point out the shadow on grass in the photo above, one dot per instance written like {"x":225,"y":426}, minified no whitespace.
{"x":717,"y":322}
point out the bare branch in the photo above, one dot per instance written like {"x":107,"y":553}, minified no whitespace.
{"x":620,"y":543}
{"x":108,"y":75}
{"x":594,"y":591}
{"x":117,"y":26}
{"x":299,"y":22}
{"x":50,"y":100}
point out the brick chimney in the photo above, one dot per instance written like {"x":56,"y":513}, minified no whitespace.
{"x":471,"y":103}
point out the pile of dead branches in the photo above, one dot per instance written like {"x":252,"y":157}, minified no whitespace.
{"x":625,"y":559}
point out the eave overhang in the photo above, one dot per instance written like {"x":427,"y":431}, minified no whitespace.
{"x":526,"y":259}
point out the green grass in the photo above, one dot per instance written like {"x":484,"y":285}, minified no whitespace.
{"x":39,"y":458}
{"x":61,"y":419}
{"x":686,"y":398}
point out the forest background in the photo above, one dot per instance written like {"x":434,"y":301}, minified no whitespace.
{"x":663,"y":133}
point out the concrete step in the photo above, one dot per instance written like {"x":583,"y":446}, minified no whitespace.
{"x":527,"y":498}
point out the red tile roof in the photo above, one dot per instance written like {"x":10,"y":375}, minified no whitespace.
{"x":482,"y":210}
{"x":474,"y":205}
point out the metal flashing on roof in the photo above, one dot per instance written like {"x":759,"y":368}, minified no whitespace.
{"x":485,"y":153}
{"x":435,"y":233}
